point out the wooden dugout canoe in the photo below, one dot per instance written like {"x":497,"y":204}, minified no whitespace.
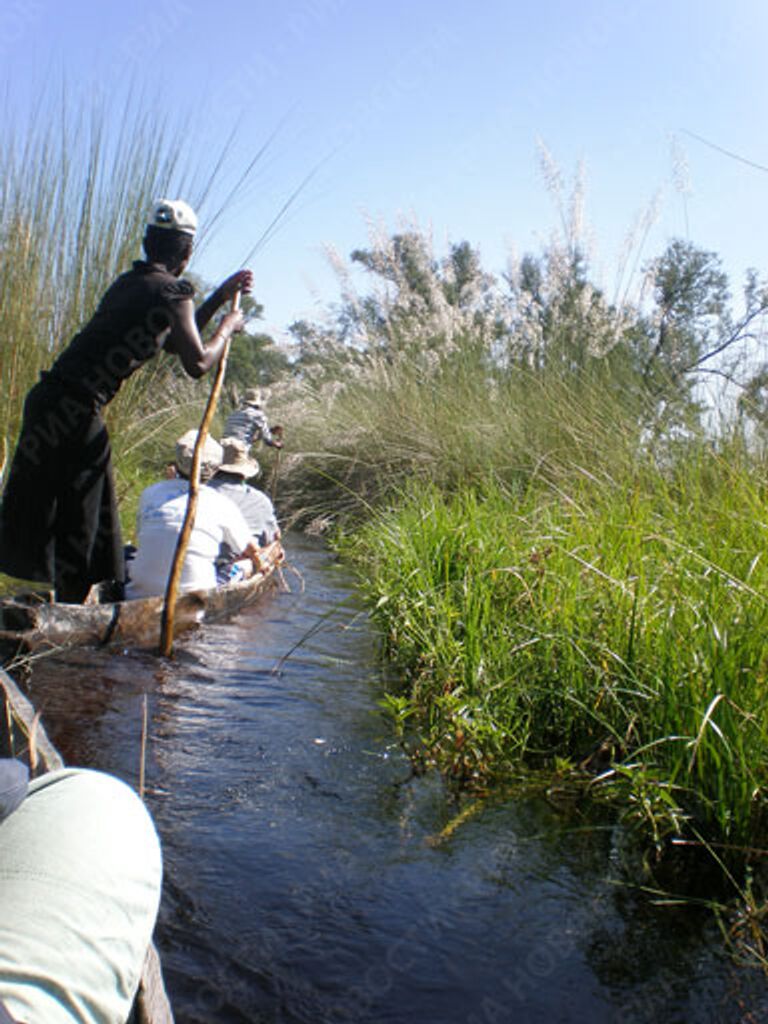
{"x":38,"y":623}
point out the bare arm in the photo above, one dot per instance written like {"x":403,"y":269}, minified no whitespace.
{"x":238,"y":282}
{"x":197,"y":357}
{"x":262,"y":558}
{"x":251,"y":550}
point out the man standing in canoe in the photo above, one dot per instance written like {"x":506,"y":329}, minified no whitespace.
{"x":58,"y":518}
{"x":249,"y":423}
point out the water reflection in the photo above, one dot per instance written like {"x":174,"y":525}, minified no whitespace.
{"x":301,"y":886}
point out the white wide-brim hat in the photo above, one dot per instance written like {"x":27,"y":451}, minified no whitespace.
{"x":210,"y":460}
{"x":236,"y":458}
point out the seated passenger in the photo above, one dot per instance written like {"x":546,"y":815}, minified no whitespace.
{"x":218,"y":521}
{"x":230,"y":479}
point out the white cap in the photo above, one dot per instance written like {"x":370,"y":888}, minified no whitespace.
{"x":174,"y":214}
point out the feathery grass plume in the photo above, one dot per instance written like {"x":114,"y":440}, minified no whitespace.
{"x":440,"y":371}
{"x":573,"y":235}
{"x":681,"y":176}
{"x":632,"y":286}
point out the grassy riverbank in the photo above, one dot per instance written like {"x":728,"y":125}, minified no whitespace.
{"x":560,"y":594}
{"x":566,"y":561}
{"x":617,"y":626}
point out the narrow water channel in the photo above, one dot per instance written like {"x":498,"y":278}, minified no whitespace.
{"x":305,"y":881}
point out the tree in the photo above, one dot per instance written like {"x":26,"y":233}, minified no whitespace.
{"x":694,"y":328}
{"x":691,"y":297}
{"x":558,"y":320}
{"x":421,"y":304}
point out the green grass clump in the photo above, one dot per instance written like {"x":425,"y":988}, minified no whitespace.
{"x":623,"y":617}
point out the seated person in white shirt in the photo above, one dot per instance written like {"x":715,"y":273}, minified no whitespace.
{"x":218,"y":521}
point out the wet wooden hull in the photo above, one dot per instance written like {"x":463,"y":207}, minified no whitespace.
{"x":39,"y":624}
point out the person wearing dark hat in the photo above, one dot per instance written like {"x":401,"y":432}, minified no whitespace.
{"x":58,"y":518}
{"x":249,"y":422}
{"x":236,"y":467}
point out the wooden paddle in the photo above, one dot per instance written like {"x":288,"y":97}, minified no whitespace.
{"x":174,"y":577}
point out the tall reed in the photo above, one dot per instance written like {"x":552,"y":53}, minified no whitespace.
{"x":76,"y":180}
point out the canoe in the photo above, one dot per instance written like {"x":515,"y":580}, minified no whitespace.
{"x":37,"y":623}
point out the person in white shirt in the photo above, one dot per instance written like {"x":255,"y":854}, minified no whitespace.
{"x":162,"y":508}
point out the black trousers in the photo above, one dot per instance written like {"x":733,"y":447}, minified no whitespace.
{"x":58,"y":518}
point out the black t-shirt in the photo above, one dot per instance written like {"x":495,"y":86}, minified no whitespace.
{"x":126,"y":330}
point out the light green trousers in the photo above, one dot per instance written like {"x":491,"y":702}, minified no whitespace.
{"x":80,"y":874}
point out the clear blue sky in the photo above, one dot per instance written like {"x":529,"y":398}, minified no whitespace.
{"x":433,"y":110}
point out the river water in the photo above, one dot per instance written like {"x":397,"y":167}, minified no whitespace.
{"x":306,"y":880}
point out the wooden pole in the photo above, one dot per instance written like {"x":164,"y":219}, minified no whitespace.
{"x":174,"y":577}
{"x":275,"y":471}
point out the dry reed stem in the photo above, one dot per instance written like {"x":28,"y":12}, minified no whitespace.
{"x":143,"y":753}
